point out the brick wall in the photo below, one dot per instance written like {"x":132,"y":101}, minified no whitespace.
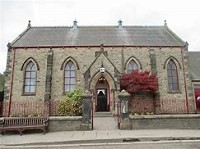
{"x":32,"y":108}
{"x":141,"y":104}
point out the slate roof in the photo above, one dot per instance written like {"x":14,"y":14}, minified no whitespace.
{"x":194,"y":60}
{"x":97,"y":35}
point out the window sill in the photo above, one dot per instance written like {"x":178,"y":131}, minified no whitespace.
{"x":28,"y":94}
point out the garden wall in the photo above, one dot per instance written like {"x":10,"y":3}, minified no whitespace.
{"x":65,"y":123}
{"x":190,"y":121}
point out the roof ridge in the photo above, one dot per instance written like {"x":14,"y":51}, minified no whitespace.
{"x":100,"y":26}
{"x":49,"y":26}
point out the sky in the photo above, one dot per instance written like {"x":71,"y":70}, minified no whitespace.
{"x":183,"y":16}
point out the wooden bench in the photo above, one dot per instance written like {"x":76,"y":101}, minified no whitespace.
{"x":23,"y":123}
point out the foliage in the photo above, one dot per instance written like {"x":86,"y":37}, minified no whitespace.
{"x":2,"y":82}
{"x":74,"y":95}
{"x":71,"y":105}
{"x":139,"y":82}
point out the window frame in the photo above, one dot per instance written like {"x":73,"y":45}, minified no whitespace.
{"x":29,"y":78}
{"x":172,"y":77}
{"x":133,"y":63}
{"x":69,"y":78}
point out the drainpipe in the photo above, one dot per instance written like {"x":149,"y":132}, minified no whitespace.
{"x":11,"y":83}
{"x":185,"y":84}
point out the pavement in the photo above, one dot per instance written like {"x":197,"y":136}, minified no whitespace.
{"x":97,"y":136}
{"x":105,"y":131}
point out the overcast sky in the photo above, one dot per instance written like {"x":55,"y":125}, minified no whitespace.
{"x":183,"y":16}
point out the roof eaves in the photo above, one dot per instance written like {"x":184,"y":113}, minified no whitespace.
{"x":71,"y":46}
{"x":195,"y":80}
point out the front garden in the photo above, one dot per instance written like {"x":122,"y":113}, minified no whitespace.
{"x":142,"y":86}
{"x":69,"y":105}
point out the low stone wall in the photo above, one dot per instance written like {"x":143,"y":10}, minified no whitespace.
{"x":190,"y":121}
{"x":65,"y":123}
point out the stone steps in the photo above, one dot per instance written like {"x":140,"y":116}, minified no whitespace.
{"x":103,"y":114}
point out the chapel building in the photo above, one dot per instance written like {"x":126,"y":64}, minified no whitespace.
{"x":44,"y":63}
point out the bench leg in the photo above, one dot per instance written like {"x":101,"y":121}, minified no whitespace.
{"x":2,"y":132}
{"x":44,"y":131}
{"x":20,"y":131}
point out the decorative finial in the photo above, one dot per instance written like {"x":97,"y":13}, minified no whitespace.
{"x":101,"y":63}
{"x":75,"y":24}
{"x":165,"y":23}
{"x":9,"y":45}
{"x":29,"y":23}
{"x":186,"y":45}
{"x":120,"y":23}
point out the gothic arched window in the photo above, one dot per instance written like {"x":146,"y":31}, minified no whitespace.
{"x":132,"y":65}
{"x":30,"y":78}
{"x":172,"y":76}
{"x":70,"y":77}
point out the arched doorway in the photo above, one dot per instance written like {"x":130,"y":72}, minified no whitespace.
{"x":102,"y":95}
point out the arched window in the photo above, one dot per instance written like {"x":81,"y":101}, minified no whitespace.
{"x":132,"y":65}
{"x":70,"y":77}
{"x":172,"y":76}
{"x":30,"y":78}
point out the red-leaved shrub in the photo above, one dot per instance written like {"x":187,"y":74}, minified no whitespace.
{"x":139,"y":82}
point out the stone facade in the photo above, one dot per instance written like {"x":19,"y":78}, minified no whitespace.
{"x":114,"y":59}
{"x":50,"y":49}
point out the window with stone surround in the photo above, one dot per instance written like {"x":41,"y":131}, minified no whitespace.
{"x":132,"y":65}
{"x":69,"y":77}
{"x":172,"y":75}
{"x":30,"y":78}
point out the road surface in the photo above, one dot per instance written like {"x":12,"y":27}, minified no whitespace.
{"x":186,"y":144}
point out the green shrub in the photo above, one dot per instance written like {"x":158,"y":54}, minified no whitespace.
{"x":71,"y":104}
{"x":74,"y":95}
